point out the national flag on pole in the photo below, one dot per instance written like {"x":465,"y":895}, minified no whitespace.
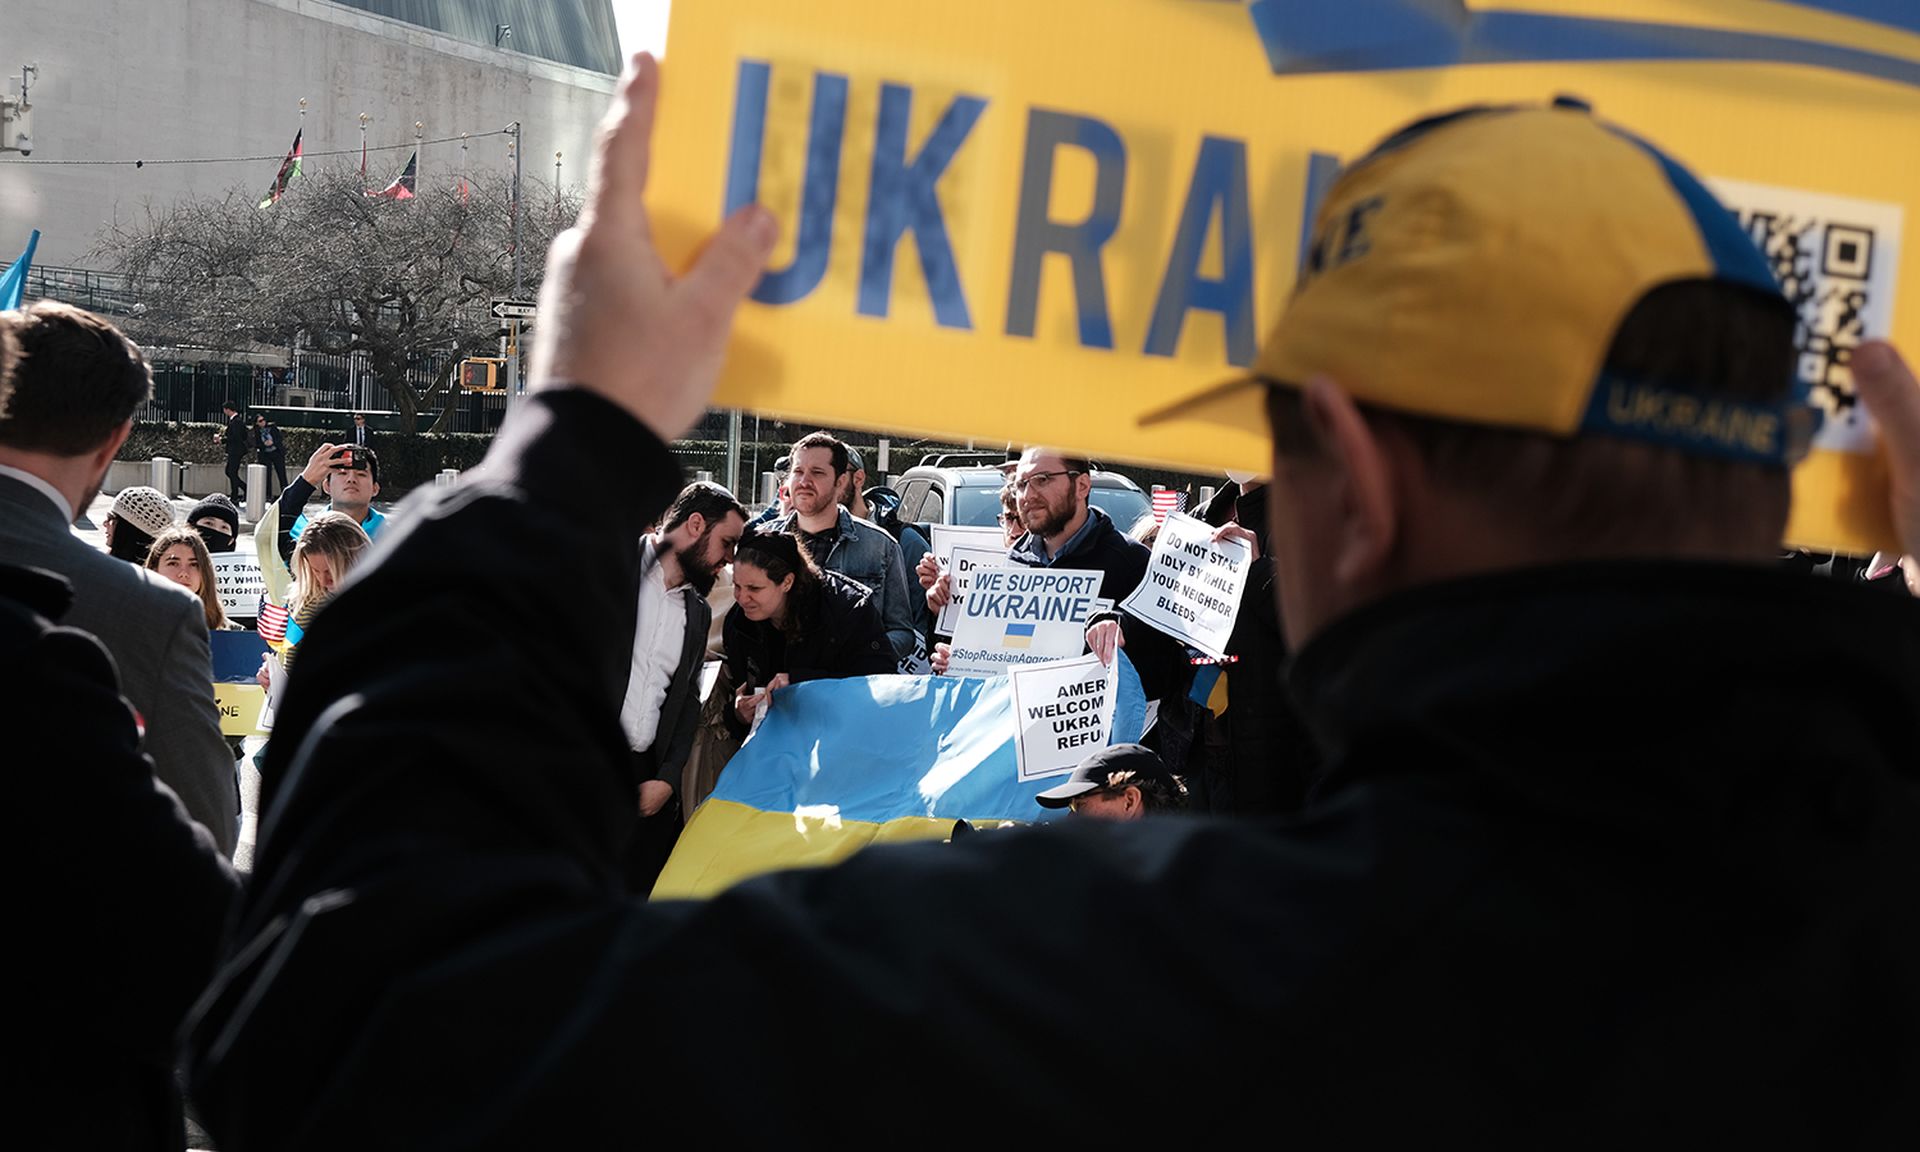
{"x":289,"y":168}
{"x":1167,"y":501}
{"x":13,"y":282}
{"x":272,"y":622}
{"x":402,"y":186}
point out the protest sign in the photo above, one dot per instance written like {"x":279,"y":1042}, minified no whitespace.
{"x":1068,"y":242}
{"x":1193,"y":585}
{"x":236,"y":692}
{"x":237,"y":580}
{"x":960,"y":561}
{"x":240,"y":708}
{"x":1063,"y":710}
{"x":1022,"y":616}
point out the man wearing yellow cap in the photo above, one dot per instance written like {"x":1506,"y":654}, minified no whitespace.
{"x":1617,"y":842}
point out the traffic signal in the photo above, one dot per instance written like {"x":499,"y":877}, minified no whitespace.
{"x":483,"y":374}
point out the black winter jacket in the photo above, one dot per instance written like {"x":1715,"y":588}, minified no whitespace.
{"x":1603,"y":854}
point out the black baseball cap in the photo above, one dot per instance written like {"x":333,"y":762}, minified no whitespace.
{"x":1098,"y":770}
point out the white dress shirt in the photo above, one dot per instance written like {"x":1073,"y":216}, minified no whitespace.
{"x":657,"y":643}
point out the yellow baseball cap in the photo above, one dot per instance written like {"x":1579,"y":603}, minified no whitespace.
{"x":1475,"y":266}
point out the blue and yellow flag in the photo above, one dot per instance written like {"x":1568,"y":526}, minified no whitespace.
{"x":840,"y":764}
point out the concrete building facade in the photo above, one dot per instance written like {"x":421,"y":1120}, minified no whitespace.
{"x":162,"y":81}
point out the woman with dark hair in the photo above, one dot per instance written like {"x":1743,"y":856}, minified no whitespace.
{"x":181,"y":556}
{"x":792,"y":622}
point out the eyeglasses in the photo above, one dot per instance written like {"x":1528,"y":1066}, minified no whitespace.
{"x":1039,"y":479}
{"x":1074,"y":804}
{"x":1009,"y":517}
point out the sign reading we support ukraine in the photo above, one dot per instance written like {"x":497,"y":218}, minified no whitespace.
{"x":1193,"y":585}
{"x":1022,"y":616}
{"x":1064,"y":711}
{"x":998,"y":202}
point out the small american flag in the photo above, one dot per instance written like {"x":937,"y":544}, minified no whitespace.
{"x":1167,"y":501}
{"x":272,"y":622}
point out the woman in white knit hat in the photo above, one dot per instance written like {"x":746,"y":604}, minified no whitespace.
{"x":138,"y":515}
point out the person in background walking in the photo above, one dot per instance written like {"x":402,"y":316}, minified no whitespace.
{"x":236,"y":440}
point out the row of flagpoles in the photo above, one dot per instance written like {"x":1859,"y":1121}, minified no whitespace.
{"x":404,"y":186}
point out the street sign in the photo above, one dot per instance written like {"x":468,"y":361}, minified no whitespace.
{"x":513,"y":309}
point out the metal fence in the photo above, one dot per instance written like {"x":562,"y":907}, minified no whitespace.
{"x":192,"y":384}
{"x":108,"y":293}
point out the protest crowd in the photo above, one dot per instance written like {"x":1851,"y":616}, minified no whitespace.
{"x":1497,"y":780}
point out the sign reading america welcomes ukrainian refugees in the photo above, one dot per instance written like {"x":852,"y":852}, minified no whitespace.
{"x":1073,"y":212}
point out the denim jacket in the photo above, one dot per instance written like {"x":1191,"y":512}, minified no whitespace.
{"x":864,"y":552}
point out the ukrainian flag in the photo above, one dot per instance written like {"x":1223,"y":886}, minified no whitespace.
{"x":840,"y":764}
{"x":1018,"y":636}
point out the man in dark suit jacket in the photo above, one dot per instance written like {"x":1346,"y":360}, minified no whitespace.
{"x":237,"y":440}
{"x":74,"y":393}
{"x":678,"y":563}
{"x":126,"y":901}
{"x":358,"y":433}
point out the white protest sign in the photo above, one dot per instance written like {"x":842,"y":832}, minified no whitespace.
{"x":973,"y":542}
{"x":1062,"y":711}
{"x":1193,"y":585}
{"x":916,"y":662}
{"x":1022,"y":616}
{"x":237,"y":581}
{"x":960,"y":565}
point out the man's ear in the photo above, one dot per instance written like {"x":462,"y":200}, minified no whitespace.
{"x":1368,"y":512}
{"x":110,"y":448}
{"x":695,"y":524}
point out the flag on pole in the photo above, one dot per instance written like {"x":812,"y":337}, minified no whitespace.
{"x":363,"y":152}
{"x":271,"y":623}
{"x":289,"y":168}
{"x":402,"y":186}
{"x":1167,"y":501}
{"x":13,"y":282}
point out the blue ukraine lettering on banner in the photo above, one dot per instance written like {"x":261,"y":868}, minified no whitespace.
{"x":1303,"y":37}
{"x":902,"y":199}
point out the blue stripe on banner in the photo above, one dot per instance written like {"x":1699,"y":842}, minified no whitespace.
{"x":886,"y":747}
{"x":1893,"y":13}
{"x":1309,"y":36}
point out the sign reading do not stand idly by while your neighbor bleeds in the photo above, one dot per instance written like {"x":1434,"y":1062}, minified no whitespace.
{"x":1037,"y":221}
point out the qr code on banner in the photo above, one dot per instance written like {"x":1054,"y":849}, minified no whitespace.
{"x":1835,"y":259}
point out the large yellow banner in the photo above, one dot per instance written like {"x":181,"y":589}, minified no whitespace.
{"x":1034,"y":220}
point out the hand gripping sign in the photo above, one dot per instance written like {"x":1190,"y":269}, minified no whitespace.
{"x":1022,"y":616}
{"x":996,"y":196}
{"x":1063,"y":711}
{"x":961,"y":549}
{"x":1193,"y":585}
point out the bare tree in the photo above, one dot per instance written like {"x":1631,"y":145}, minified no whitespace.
{"x":397,"y":280}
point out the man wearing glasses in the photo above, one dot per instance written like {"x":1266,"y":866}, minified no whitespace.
{"x":1063,"y":530}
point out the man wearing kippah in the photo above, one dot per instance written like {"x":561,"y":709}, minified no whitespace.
{"x":1617,"y":841}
